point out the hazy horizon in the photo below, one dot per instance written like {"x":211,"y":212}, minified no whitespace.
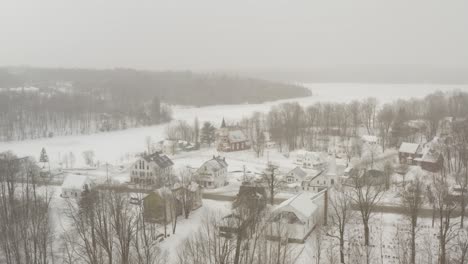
{"x":242,"y":35}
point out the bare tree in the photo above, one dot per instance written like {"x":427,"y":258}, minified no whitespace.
{"x":88,"y":157}
{"x":461,"y":246}
{"x":385,"y":118}
{"x":445,"y":207}
{"x":366,"y":197}
{"x":184,"y":193}
{"x":26,"y":235}
{"x":257,"y":135}
{"x":412,"y":199}
{"x":340,"y":215}
{"x":273,"y":181}
{"x":369,"y":107}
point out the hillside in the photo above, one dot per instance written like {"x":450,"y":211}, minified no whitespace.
{"x":37,"y":103}
{"x":184,"y":88}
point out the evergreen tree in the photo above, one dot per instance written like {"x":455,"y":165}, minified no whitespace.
{"x":44,"y":158}
{"x":208,"y":133}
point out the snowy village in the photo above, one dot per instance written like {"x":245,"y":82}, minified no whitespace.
{"x":233,"y":132}
{"x":355,"y":182}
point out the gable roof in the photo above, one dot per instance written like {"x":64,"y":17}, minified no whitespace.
{"x":160,"y":159}
{"x":214,"y":164}
{"x":299,"y":172}
{"x":236,"y":136}
{"x":301,"y":205}
{"x":411,"y":148}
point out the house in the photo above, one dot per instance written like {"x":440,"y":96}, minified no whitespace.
{"x":296,"y":175}
{"x":74,"y":185}
{"x":296,"y":218}
{"x":231,"y":139}
{"x":432,"y":160}
{"x":408,"y":152}
{"x":151,"y":169}
{"x":160,"y":207}
{"x":212,"y":173}
{"x":311,"y":160}
{"x":322,"y":179}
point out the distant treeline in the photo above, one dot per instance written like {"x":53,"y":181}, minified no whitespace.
{"x":131,"y":86}
{"x":37,"y":103}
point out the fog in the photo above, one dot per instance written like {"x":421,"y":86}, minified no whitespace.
{"x":218,"y":35}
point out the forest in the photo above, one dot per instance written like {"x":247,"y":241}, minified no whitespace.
{"x":39,"y":102}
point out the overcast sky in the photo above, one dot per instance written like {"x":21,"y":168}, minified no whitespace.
{"x":235,"y":34}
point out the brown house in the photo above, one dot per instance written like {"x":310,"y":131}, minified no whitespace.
{"x":231,"y":139}
{"x":431,"y":160}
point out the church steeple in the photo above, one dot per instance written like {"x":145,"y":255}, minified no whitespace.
{"x":223,"y":124}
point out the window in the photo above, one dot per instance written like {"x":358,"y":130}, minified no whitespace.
{"x":332,"y":181}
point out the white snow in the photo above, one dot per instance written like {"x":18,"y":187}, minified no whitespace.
{"x":301,"y":205}
{"x":117,"y":146}
{"x":409,"y":147}
{"x":73,"y":181}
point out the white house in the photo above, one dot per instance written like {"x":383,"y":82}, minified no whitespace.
{"x":296,"y":218}
{"x":323,"y":179}
{"x":74,"y":185}
{"x":148,"y":168}
{"x":213,"y":173}
{"x":296,"y":175}
{"x":311,"y":160}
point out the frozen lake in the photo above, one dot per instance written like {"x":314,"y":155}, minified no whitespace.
{"x":112,"y":146}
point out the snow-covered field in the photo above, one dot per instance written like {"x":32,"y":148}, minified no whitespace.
{"x":113,"y":147}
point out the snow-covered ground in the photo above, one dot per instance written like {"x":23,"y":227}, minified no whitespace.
{"x":114,"y":147}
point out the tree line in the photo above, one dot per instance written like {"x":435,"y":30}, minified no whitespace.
{"x":293,"y":126}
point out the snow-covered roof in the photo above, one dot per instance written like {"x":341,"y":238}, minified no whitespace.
{"x":430,"y":155}
{"x":315,"y":157}
{"x":301,"y":205}
{"x":298,"y":172}
{"x":237,"y":136}
{"x":214,"y":164}
{"x":411,"y":148}
{"x":161,"y":160}
{"x":75,"y":181}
